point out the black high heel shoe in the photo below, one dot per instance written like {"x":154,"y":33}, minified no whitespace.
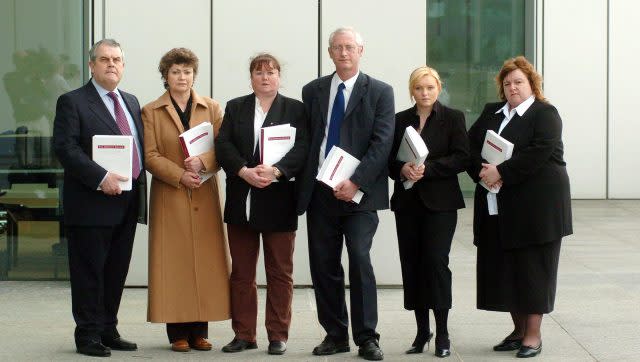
{"x":419,"y":342}
{"x":443,"y":347}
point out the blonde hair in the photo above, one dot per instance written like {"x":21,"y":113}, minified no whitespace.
{"x":520,"y":62}
{"x":420,"y":73}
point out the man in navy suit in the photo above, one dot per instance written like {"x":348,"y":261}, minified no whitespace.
{"x":100,"y":218}
{"x":354,"y":111}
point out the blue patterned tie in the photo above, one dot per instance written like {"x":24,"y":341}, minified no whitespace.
{"x":337,"y":115}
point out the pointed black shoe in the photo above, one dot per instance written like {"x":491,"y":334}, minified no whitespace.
{"x":508,"y":345}
{"x":528,"y":351}
{"x":443,"y":347}
{"x":418,"y":343}
{"x":95,"y":349}
{"x":238,"y":345}
{"x":330,"y":346}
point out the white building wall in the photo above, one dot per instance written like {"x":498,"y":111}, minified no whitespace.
{"x":571,"y":52}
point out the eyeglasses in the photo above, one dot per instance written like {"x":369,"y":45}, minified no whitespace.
{"x":340,"y":48}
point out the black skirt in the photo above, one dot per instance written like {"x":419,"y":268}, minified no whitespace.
{"x":521,"y":280}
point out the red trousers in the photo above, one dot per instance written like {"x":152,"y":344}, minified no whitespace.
{"x":244,"y":245}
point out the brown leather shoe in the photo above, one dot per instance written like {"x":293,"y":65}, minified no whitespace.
{"x":200,"y":344}
{"x":180,"y":345}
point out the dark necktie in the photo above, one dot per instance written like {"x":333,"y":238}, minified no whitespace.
{"x":337,"y":115}
{"x":123,"y":125}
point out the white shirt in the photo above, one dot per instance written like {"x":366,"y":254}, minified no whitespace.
{"x":348,"y":88}
{"x":492,"y":199}
{"x":258,"y":119}
{"x":108,"y":102}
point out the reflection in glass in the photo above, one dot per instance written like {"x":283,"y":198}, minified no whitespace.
{"x":467,"y":41}
{"x":43,"y":59}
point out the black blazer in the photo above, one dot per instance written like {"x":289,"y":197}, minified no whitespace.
{"x":273,"y":208}
{"x":445,"y":135}
{"x":534,"y":203}
{"x":81,"y":114}
{"x":366,"y":133}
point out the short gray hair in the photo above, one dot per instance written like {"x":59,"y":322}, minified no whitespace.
{"x":346,"y":29}
{"x":108,"y":42}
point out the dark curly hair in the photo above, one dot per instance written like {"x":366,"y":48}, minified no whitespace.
{"x":182,"y":56}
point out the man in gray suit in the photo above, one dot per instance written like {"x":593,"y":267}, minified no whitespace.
{"x":351,"y":110}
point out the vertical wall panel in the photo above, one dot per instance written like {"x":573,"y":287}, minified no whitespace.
{"x":624,"y":125}
{"x":394,"y":44}
{"x":575,"y":81}
{"x":146,"y":33}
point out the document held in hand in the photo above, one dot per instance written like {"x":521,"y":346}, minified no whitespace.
{"x":495,"y":150}
{"x":338,"y":166}
{"x":275,"y":142}
{"x":412,"y":149}
{"x":196,"y":141}
{"x":114,"y":154}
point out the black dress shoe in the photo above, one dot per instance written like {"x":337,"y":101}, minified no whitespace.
{"x":528,"y":351}
{"x":239,"y":345}
{"x":277,"y":347}
{"x":419,"y":342}
{"x":370,"y":351}
{"x":96,"y":349}
{"x":443,"y":345}
{"x":442,"y":352}
{"x":330,"y":346}
{"x":508,"y":345}
{"x":119,"y":344}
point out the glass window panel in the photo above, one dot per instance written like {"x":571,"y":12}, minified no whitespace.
{"x":43,"y":57}
{"x":467,"y":41}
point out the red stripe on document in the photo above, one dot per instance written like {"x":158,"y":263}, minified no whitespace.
{"x":494,"y":146}
{"x":279,"y":138}
{"x":336,"y":168}
{"x":198,"y":137}
{"x":118,"y":147}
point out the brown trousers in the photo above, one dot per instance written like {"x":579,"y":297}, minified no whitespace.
{"x":244,"y":245}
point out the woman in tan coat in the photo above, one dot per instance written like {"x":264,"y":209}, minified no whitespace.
{"x":188,"y":253}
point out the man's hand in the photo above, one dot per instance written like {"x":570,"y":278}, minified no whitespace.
{"x":110,"y":185}
{"x":345,"y":190}
{"x":253,"y":177}
{"x":190,"y":180}
{"x":412,"y":172}
{"x":193,"y":164}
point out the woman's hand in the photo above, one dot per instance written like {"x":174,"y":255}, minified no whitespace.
{"x":412,"y":172}
{"x":190,"y":180}
{"x":490,"y":175}
{"x":193,"y":164}
{"x":266,"y":172}
{"x":253,"y":177}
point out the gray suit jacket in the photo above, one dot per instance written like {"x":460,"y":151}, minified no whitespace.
{"x":366,"y":133}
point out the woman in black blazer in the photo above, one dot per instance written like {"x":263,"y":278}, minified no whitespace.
{"x":519,"y":241}
{"x":426,"y":214}
{"x":256,"y":205}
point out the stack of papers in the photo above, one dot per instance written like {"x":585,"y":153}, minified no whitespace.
{"x":196,"y":141}
{"x":412,"y":149}
{"x":114,"y":154}
{"x":495,"y":150}
{"x":338,"y":166}
{"x":275,"y":142}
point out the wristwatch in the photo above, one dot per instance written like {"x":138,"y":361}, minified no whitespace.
{"x":276,"y":172}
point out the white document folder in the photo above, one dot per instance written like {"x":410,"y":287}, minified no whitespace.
{"x":196,"y":141}
{"x":339,"y":165}
{"x":275,"y":142}
{"x":495,"y":150}
{"x":412,"y":149}
{"x":114,"y":154}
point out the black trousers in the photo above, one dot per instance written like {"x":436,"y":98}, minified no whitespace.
{"x":327,"y":225}
{"x":98,"y":265}
{"x":424,"y":242}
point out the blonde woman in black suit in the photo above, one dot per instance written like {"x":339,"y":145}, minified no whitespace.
{"x":426,"y":214}
{"x":519,"y":245}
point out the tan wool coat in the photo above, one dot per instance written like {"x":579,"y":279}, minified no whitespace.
{"x":189,"y":262}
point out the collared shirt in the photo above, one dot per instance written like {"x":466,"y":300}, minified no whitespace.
{"x":258,"y":119}
{"x":348,"y":88}
{"x":520,"y":109}
{"x":108,"y":102}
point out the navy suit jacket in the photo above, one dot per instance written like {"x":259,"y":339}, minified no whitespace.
{"x":81,"y":114}
{"x":366,"y":133}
